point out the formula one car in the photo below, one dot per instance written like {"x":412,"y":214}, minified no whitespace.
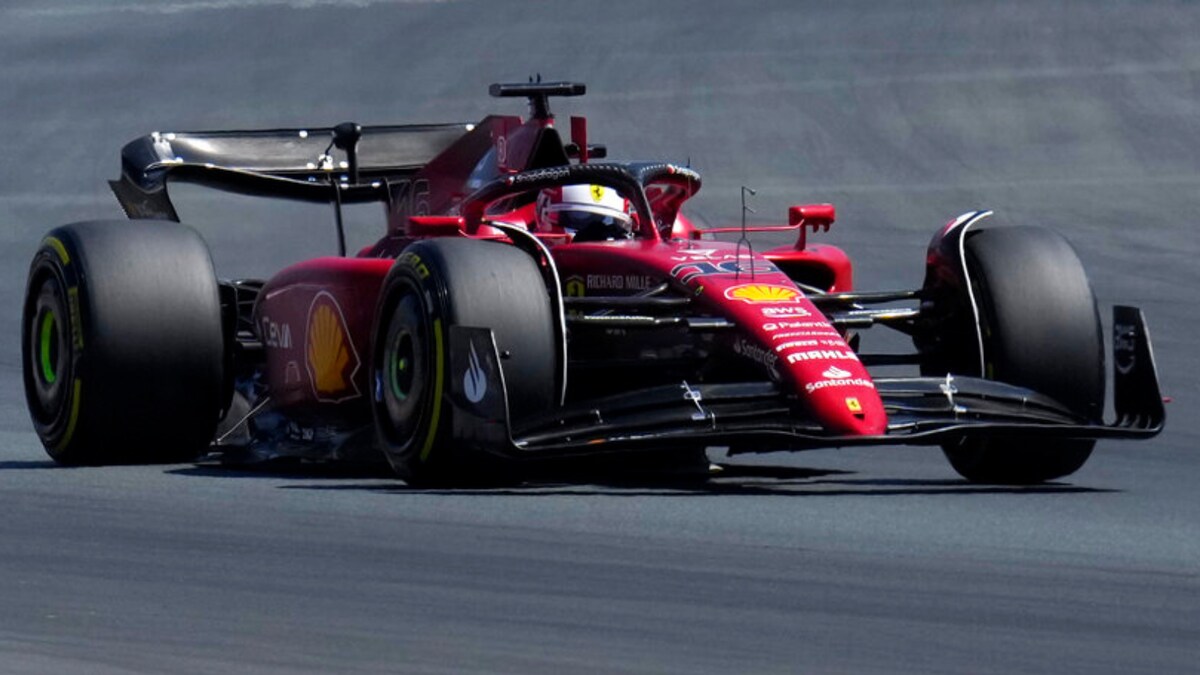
{"x":502,"y":319}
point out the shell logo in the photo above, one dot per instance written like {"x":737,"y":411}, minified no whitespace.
{"x":330,"y":356}
{"x":762,"y":293}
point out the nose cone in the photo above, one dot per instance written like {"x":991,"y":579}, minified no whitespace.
{"x":837,"y":388}
{"x":850,"y":410}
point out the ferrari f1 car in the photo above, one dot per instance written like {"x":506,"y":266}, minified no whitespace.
{"x":477,"y":335}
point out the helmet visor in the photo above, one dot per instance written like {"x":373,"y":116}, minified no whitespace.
{"x":578,"y":220}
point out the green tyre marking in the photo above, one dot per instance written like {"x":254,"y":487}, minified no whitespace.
{"x":48,"y":324}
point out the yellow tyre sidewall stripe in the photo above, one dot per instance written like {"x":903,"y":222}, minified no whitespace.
{"x":56,"y":244}
{"x":439,"y":369}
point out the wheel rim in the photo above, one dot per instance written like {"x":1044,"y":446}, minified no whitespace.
{"x":399,"y":365}
{"x":404,"y":372}
{"x":48,"y":347}
{"x":48,"y":360}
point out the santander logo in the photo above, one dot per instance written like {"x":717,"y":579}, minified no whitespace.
{"x":836,"y":378}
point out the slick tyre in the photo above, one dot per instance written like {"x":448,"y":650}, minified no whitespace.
{"x":122,"y":347}
{"x":1041,"y":330}
{"x":435,"y":285}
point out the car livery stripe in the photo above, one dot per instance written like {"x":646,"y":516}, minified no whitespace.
{"x":73,"y":419}
{"x":439,"y":368}
{"x":57,"y":245}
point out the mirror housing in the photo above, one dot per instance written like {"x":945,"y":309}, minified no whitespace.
{"x":817,"y":216}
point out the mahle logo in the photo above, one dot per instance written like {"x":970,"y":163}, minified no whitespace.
{"x":821,"y":355}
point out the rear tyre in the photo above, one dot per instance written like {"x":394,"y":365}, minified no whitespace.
{"x":123,"y":356}
{"x":436,"y":284}
{"x":1041,"y":330}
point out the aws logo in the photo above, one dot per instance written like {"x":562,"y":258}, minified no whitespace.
{"x":329,"y":352}
{"x":759,"y":293}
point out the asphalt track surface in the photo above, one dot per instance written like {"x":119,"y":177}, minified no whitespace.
{"x":1082,"y":116}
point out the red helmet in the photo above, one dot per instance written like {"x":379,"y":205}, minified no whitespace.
{"x":592,"y":211}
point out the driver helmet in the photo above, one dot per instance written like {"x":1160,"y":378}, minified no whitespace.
{"x":590,"y":211}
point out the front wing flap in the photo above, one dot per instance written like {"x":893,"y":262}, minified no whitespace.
{"x":760,"y":417}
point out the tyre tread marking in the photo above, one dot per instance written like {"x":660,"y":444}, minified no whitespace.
{"x":74,"y":317}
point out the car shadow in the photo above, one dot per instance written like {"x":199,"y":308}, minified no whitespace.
{"x":725,"y":487}
{"x":24,"y":465}
{"x":289,"y":469}
{"x":733,"y":479}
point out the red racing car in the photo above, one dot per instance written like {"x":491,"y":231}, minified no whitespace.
{"x":530,"y":301}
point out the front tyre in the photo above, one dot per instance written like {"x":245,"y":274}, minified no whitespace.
{"x":434,"y":285}
{"x":1040,"y":330}
{"x":122,"y":349}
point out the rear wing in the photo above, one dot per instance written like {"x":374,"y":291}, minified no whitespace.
{"x":299,"y":164}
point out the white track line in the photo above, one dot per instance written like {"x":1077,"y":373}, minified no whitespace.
{"x":184,"y":6}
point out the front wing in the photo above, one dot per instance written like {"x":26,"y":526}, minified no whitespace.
{"x":761,"y":417}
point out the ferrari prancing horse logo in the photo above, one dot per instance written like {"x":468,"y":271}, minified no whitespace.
{"x":597,"y":193}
